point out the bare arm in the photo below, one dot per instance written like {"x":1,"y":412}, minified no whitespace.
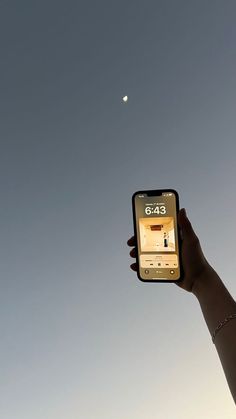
{"x":217,"y":304}
{"x":214,"y":298}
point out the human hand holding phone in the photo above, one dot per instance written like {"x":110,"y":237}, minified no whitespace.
{"x":194,"y":262}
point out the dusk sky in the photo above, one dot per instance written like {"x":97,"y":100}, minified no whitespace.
{"x":81,"y":336}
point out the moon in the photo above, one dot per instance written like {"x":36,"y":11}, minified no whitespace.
{"x":125,"y":99}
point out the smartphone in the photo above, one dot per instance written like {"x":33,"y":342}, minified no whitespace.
{"x":157,"y":235}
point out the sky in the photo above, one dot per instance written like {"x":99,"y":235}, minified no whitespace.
{"x":81,"y":336}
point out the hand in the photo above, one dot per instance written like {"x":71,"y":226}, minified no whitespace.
{"x":195,"y":265}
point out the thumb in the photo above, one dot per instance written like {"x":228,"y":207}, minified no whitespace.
{"x":194,"y":260}
{"x":187,"y":231}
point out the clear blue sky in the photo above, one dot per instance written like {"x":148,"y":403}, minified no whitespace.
{"x":81,"y":336}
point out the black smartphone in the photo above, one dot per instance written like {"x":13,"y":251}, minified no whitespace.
{"x":157,"y":235}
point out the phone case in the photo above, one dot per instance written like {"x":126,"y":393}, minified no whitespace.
{"x":156,"y":192}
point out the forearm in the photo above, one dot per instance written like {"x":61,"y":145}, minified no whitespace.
{"x":217,"y":304}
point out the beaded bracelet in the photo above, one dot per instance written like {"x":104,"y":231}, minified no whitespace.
{"x":221,"y":324}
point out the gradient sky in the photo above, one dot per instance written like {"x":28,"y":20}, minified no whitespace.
{"x":81,"y":336}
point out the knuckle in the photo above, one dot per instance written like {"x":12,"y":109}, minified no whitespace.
{"x":195,"y":240}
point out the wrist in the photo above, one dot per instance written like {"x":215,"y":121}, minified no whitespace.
{"x":205,"y":281}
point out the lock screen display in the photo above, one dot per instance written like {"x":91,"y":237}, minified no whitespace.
{"x":157,"y":236}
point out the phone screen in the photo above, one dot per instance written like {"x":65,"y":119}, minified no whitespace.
{"x":156,"y":230}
